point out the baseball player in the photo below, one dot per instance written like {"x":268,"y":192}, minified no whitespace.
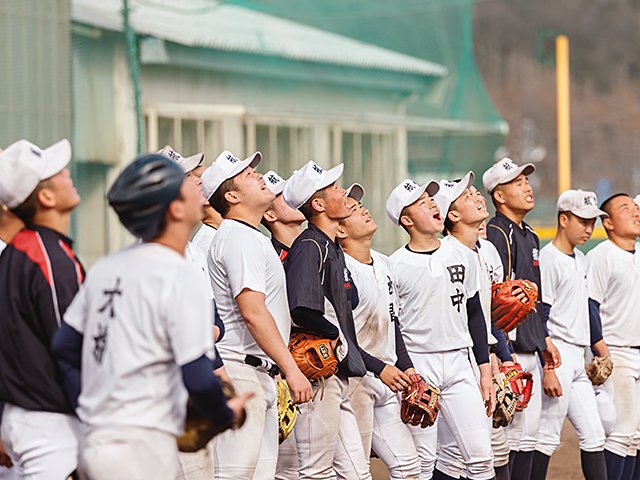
{"x":568,"y":390}
{"x":283,"y":222}
{"x":138,"y":333}
{"x":439,"y":311}
{"x":321,"y":298}
{"x":519,"y":247}
{"x":613,"y":280}
{"x":39,"y":276}
{"x":250,"y":290}
{"x":466,"y":212}
{"x":203,"y":238}
{"x":374,"y":396}
{"x":198,"y":465}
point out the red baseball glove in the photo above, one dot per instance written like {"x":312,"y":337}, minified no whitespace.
{"x":521,"y":383}
{"x":420,"y":402}
{"x":507,"y":310}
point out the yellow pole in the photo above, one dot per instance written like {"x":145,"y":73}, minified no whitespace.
{"x":564,"y":129}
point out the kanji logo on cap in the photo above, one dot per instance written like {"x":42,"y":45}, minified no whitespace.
{"x":226,"y":166}
{"x":504,"y":171}
{"x":308,"y":180}
{"x":24,"y":165}
{"x":274,"y":182}
{"x":406,"y":193}
{"x":450,"y":190}
{"x":582,"y":204}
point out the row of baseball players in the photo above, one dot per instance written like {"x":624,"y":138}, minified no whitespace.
{"x":112,"y":346}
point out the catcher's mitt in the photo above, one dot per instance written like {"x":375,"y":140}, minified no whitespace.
{"x":508,"y":311}
{"x":313,"y":354}
{"x":506,"y":401}
{"x":599,"y":370}
{"x":521,"y":384}
{"x":287,"y":411}
{"x":420,"y":402}
{"x":199,"y":428}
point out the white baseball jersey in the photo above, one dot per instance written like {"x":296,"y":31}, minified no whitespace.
{"x":3,"y":245}
{"x":433,"y":289}
{"x":242,"y":258}
{"x":204,"y":238}
{"x":198,"y":261}
{"x":143,"y":313}
{"x":378,"y":307}
{"x":492,"y":259}
{"x":613,"y":277}
{"x":484,"y":282}
{"x":565,"y":288}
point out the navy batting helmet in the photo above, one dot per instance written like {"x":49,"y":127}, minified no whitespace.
{"x":143,"y":191}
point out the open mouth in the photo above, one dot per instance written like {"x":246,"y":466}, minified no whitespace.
{"x":437,"y":216}
{"x":529,"y":198}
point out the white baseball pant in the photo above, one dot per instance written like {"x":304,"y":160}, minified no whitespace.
{"x":42,"y":445}
{"x":377,"y":411}
{"x":327,"y":435}
{"x":250,"y":452}
{"x":522,"y":434}
{"x":449,"y":457}
{"x":127,"y":452}
{"x":461,"y":408}
{"x":197,"y":465}
{"x":287,"y":467}
{"x":624,"y":386}
{"x":577,"y":401}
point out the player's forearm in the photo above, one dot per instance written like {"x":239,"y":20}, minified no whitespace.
{"x":502,"y":348}
{"x":263,"y":328}
{"x":478,"y":330}
{"x":404,"y":362}
{"x":595,"y":322}
{"x":601,"y":348}
{"x":313,"y":321}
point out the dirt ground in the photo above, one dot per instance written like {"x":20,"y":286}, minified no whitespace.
{"x":564,"y":465}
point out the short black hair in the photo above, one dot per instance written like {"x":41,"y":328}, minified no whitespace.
{"x":27,"y":209}
{"x":605,"y":207}
{"x":218,"y":201}
{"x":306,"y":208}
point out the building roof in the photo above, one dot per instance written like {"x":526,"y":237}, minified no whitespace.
{"x":207,"y":24}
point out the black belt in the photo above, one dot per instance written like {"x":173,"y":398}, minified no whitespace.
{"x":269,"y":368}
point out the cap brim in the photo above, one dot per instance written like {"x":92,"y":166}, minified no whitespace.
{"x":526,"y":170}
{"x":330,"y":176}
{"x":589,"y":213}
{"x":277,"y":189}
{"x":356,"y":191}
{"x":56,"y":158}
{"x":251,"y":161}
{"x":192,"y":162}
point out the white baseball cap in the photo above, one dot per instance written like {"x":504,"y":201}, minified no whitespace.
{"x":637,"y":200}
{"x":24,"y":165}
{"x":226,"y":166}
{"x":405,"y":194}
{"x":186,"y":163}
{"x":274,"y":182}
{"x":581,"y":204}
{"x":355,"y":191}
{"x":504,"y":171}
{"x":450,"y":190}
{"x":308,"y":180}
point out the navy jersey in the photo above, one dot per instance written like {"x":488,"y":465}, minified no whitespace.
{"x":519,"y":249}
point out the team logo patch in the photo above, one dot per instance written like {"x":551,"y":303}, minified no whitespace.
{"x":508,"y":166}
{"x":272,"y":178}
{"x":323,"y":351}
{"x":317,"y":168}
{"x":410,"y":186}
{"x":232,"y":159}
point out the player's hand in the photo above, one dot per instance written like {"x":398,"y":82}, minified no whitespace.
{"x":5,"y":459}
{"x":520,"y":295}
{"x":299,"y":386}
{"x":601,"y":348}
{"x":551,"y":355}
{"x":216,"y":333}
{"x":394,"y":378}
{"x":223,"y":375}
{"x":551,"y":384}
{"x":236,"y":404}
{"x":486,"y":389}
{"x":495,"y":364}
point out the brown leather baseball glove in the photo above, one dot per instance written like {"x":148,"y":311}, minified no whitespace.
{"x":506,"y":401}
{"x":599,"y":370}
{"x":420,"y":402}
{"x":313,"y":354}
{"x":507,"y":310}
